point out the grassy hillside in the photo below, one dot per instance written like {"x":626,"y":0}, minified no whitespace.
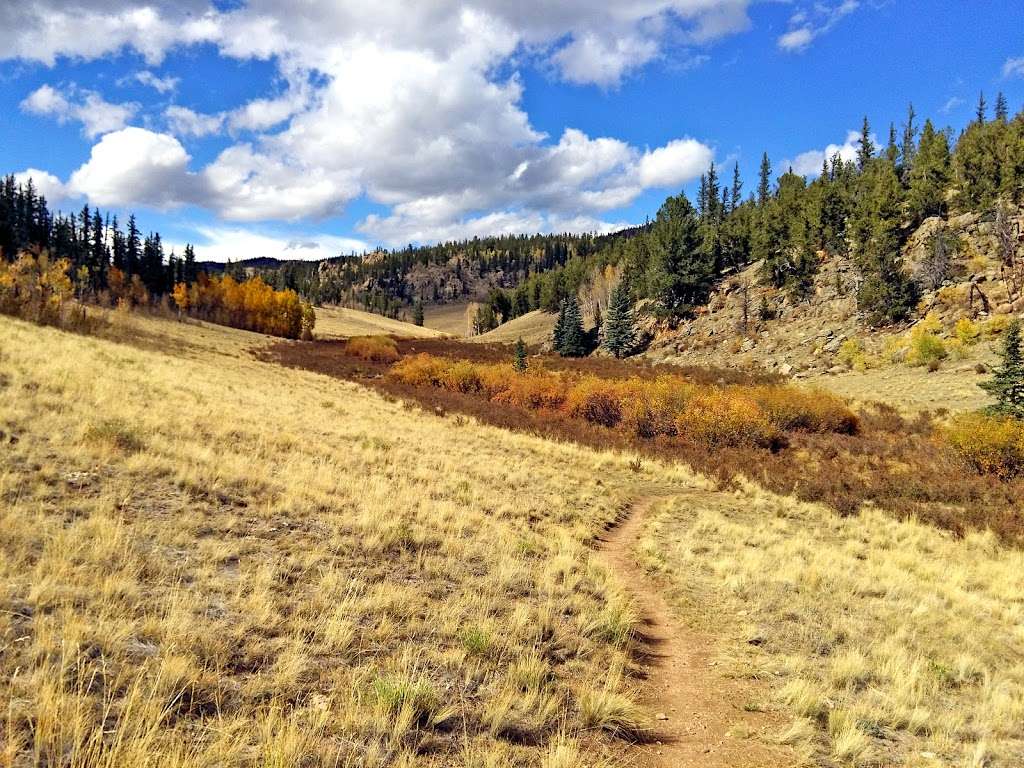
{"x":277,"y":568}
{"x":337,"y":323}
{"x":534,"y":328}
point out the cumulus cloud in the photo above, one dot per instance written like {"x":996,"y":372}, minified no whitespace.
{"x":592,"y":58}
{"x":46,"y":184}
{"x":414,"y":106}
{"x":807,"y":25}
{"x":675,"y":163}
{"x":810,"y":163}
{"x":97,"y":115}
{"x":134,"y":166}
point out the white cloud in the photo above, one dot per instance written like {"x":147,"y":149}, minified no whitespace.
{"x":796,"y":39}
{"x":592,"y":58}
{"x":677,"y":162}
{"x":88,"y":107}
{"x":166,"y":84}
{"x":951,"y":103}
{"x":810,"y":163}
{"x":415,"y":106}
{"x":46,"y":184}
{"x":1014,"y":67}
{"x":234,"y":244}
{"x":182,"y":121}
{"x":398,"y":229}
{"x":806,"y":25}
{"x":134,"y":166}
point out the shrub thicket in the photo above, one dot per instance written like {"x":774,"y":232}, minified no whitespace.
{"x":993,"y":445}
{"x":670,"y":405}
{"x":37,"y":288}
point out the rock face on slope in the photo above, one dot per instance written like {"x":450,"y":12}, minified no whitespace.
{"x":748,"y":322}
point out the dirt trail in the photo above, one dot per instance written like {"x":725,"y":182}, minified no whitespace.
{"x":701,"y":704}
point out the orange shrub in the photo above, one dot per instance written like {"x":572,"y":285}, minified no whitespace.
{"x":419,"y":370}
{"x":718,"y":418}
{"x":993,"y":445}
{"x":596,"y":400}
{"x":534,"y":390}
{"x":462,"y":376}
{"x":793,"y":409}
{"x":375,"y":349}
{"x":649,"y":408}
{"x":669,"y":405}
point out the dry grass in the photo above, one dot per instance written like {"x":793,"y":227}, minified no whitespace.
{"x":208,"y":560}
{"x":534,"y":328}
{"x":338,"y":323}
{"x":890,"y":643}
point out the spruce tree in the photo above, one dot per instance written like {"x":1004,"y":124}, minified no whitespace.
{"x":1002,"y":111}
{"x":417,"y":313}
{"x":865,"y":146}
{"x":619,"y":330}
{"x":519,"y":360}
{"x":570,"y":338}
{"x":908,"y":149}
{"x":929,"y":176}
{"x":764,"y":189}
{"x":981,"y":109}
{"x":1007,"y":382}
{"x":737,"y":189}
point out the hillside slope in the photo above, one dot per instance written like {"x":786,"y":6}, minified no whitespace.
{"x":812,"y":338}
{"x":534,"y":328}
{"x":338,"y":323}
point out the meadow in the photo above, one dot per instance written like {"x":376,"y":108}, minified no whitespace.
{"x":208,"y":560}
{"x":213,"y":559}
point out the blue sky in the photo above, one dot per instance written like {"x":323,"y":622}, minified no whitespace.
{"x":266,"y":128}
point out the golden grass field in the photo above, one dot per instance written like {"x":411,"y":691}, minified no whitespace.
{"x":209,"y":560}
{"x":890,"y":643}
{"x":534,"y":328}
{"x":339,"y":323}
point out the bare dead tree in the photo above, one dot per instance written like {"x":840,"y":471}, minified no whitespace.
{"x":1008,"y":237}
{"x":744,"y":291}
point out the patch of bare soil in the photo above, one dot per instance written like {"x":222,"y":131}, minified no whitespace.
{"x":701,"y":719}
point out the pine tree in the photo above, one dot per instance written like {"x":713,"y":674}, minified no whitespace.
{"x":1002,"y":111}
{"x":865,"y":146}
{"x":619,"y":329}
{"x":519,"y":361}
{"x":892,"y":151}
{"x":569,"y":336}
{"x":981,"y":109}
{"x":764,"y":188}
{"x":1007,"y":382}
{"x":417,"y":313}
{"x":737,"y":188}
{"x":929,"y":176}
{"x":908,"y":148}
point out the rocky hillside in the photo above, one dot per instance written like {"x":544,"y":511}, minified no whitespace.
{"x":969,"y":266}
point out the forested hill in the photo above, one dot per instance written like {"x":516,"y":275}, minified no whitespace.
{"x":862,"y":208}
{"x":393,"y":282}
